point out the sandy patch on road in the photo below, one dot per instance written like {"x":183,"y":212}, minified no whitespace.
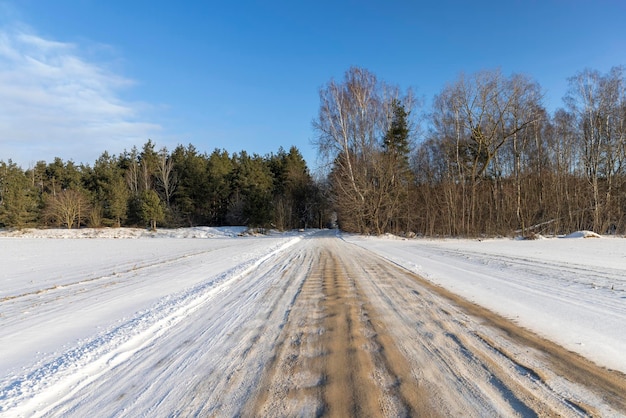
{"x":368,"y":338}
{"x":335,"y":359}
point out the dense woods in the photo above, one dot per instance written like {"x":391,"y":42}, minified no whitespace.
{"x":486,"y":158}
{"x":148,"y":188}
{"x":491,"y":159}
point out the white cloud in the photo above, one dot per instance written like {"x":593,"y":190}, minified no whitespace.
{"x":55,"y":102}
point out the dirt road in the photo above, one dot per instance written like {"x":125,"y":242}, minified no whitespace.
{"x":313,"y":327}
{"x":366,"y":338}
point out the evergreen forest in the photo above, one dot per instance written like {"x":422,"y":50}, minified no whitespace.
{"x":150,"y":188}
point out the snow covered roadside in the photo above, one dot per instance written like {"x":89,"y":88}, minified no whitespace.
{"x":571,"y":291}
{"x":188,"y":327}
{"x":126,"y":233}
{"x":89,"y":314}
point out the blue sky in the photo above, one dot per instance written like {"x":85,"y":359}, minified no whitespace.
{"x":78,"y":77}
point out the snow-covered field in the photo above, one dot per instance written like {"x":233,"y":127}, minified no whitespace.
{"x":74,"y":309}
{"x":68,"y":304}
{"x":571,"y":289}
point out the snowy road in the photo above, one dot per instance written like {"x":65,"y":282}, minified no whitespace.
{"x":282,"y":326}
{"x":570,"y":290}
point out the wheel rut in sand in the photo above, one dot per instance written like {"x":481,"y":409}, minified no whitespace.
{"x":367,"y":338}
{"x":334,"y":357}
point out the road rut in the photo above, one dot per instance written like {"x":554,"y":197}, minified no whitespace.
{"x":316,"y":328}
{"x":367,"y":338}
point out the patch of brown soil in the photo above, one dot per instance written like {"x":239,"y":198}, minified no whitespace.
{"x":335,"y":359}
{"x":365,"y":337}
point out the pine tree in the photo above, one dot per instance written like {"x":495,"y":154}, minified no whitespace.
{"x":18,"y":200}
{"x":396,"y":141}
{"x":219,"y":185}
{"x":293,"y":196}
{"x":151,"y":208}
{"x":395,"y":160}
{"x":109,"y":189}
{"x":190,"y":200}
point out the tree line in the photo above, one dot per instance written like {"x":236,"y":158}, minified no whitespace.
{"x":486,"y":158}
{"x":151,"y":187}
{"x":491,"y":159}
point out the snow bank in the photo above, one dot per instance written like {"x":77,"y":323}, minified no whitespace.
{"x":582,"y":234}
{"x":197,"y":232}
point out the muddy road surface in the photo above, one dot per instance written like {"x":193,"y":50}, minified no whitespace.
{"x":366,"y":338}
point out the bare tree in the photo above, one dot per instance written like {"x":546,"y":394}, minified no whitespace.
{"x":132,"y":172}
{"x":354,"y":117}
{"x":474,"y":118}
{"x":67,"y":208}
{"x":598,"y":102}
{"x":165,"y":177}
{"x":562,"y":205}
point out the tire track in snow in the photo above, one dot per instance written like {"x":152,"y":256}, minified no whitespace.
{"x":78,"y":367}
{"x":224,"y":348}
{"x":510,"y":371}
{"x":604,"y":279}
{"x":333,"y":359}
{"x":109,"y":279}
{"x":356,"y":309}
{"x":543,"y":296}
{"x":322,"y":329}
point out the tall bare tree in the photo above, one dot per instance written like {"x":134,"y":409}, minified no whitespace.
{"x":598,"y":102}
{"x":474,"y":118}
{"x":354,"y":117}
{"x":165,"y":176}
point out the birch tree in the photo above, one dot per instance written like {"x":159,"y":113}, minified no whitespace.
{"x":165,"y":176}
{"x":353,"y":118}
{"x":476,"y":116}
{"x":598,"y":102}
